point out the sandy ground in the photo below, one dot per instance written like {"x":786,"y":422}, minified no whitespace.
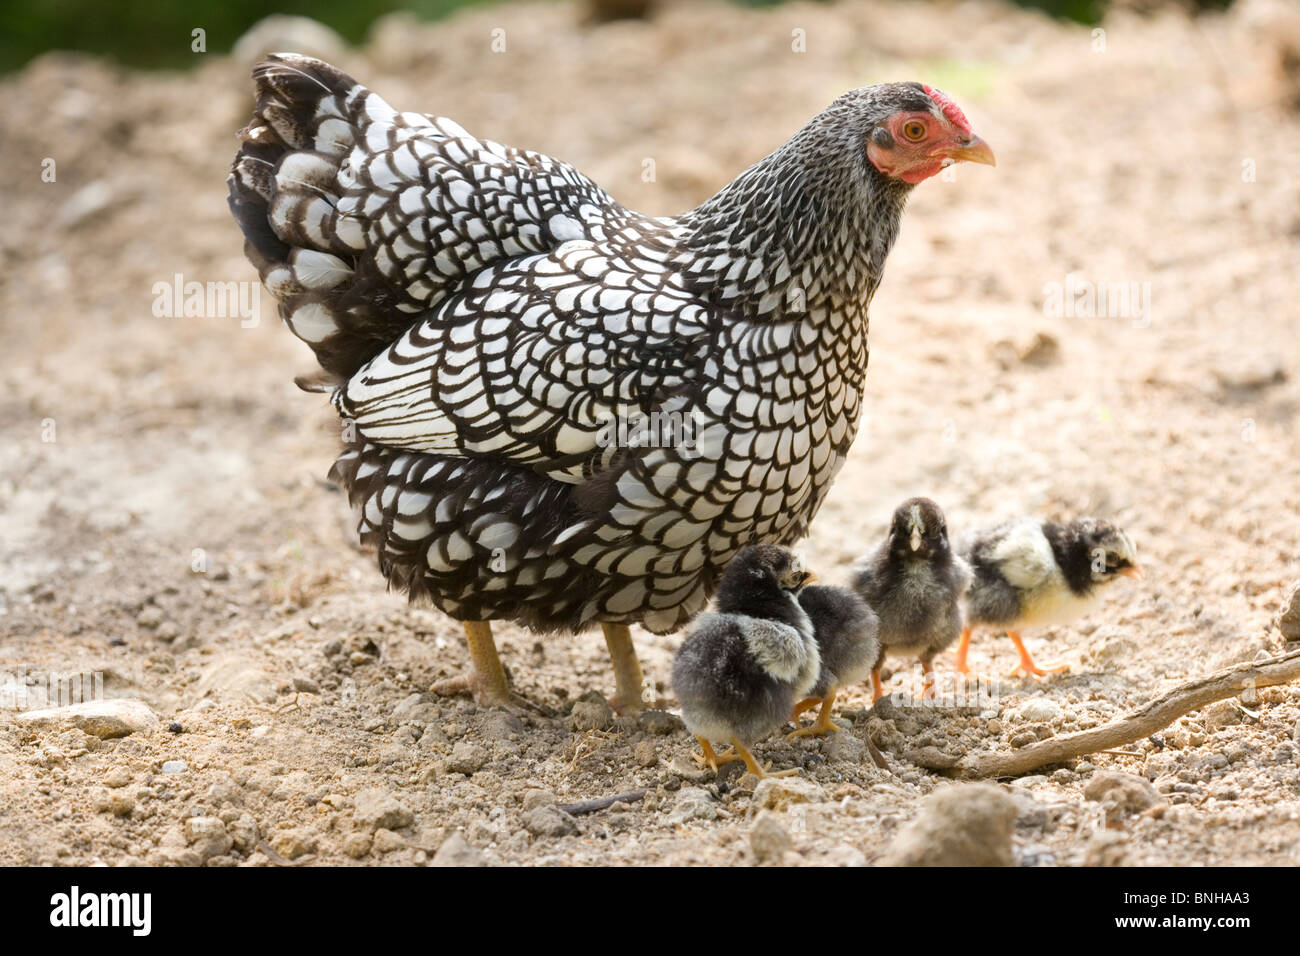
{"x":164,"y":521}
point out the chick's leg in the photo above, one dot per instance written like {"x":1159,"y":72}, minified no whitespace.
{"x":808,"y":703}
{"x":877,"y":688}
{"x":927,"y":679}
{"x":823,"y":723}
{"x":753,"y":766}
{"x":714,"y":759}
{"x":1027,"y":665}
{"x":963,"y":648}
{"x":628,"y":681}
{"x":487,"y":680}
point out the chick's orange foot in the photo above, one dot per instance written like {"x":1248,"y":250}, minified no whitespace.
{"x":1027,"y":665}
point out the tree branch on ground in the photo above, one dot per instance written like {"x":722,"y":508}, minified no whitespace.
{"x":1155,"y":716}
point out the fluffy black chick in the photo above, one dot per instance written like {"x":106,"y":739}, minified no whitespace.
{"x":743,"y":667}
{"x":914,"y":582}
{"x":845,"y":628}
{"x":1029,"y":572}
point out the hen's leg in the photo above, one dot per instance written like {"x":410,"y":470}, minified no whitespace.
{"x":487,"y":680}
{"x":627,"y":669}
{"x":1027,"y":664}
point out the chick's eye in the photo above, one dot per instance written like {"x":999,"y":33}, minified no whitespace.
{"x":914,"y":131}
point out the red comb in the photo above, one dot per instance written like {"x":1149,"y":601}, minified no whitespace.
{"x":950,"y":109}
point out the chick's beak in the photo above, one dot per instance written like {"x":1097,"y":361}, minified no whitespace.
{"x":1133,"y":571}
{"x":915,"y":540}
{"x":975,"y":151}
{"x":795,"y":578}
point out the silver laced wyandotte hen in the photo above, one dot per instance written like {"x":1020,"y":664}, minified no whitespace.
{"x":740,"y":671}
{"x":483,"y":314}
{"x":1030,"y":572}
{"x":914,"y":581}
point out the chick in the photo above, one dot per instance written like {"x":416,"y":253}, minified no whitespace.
{"x":845,"y":629}
{"x":1030,"y":572}
{"x":914,"y":583}
{"x":743,"y":667}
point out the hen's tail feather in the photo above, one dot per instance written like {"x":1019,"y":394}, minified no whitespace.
{"x":284,"y":190}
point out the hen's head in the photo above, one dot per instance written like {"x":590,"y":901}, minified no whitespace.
{"x":915,"y":131}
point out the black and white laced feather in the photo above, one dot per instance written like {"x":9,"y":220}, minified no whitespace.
{"x":484,"y":313}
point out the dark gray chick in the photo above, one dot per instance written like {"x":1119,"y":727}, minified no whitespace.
{"x":914,"y":583}
{"x":1030,"y":572}
{"x":743,"y":667}
{"x":845,"y":628}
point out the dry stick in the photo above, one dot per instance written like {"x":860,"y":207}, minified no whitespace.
{"x":594,"y":806}
{"x":1160,"y":713}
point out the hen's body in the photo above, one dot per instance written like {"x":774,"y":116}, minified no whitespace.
{"x":487,"y":312}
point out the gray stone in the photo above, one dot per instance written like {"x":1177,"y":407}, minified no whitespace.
{"x":357,"y":845}
{"x":117,"y":777}
{"x":375,"y":809}
{"x":207,"y":836}
{"x":845,"y":747}
{"x":1039,"y":710}
{"x":466,"y":757}
{"x":693,"y":804}
{"x":456,"y":851}
{"x":1121,"y":793}
{"x":105,"y":719}
{"x":768,"y":838}
{"x":645,"y":753}
{"x":959,"y":825}
{"x":539,"y":798}
{"x":777,"y":793}
{"x":590,"y":714}
{"x":386,"y":841}
{"x":243,"y":832}
{"x":549,"y":822}
{"x":292,"y":844}
{"x":659,"y":723}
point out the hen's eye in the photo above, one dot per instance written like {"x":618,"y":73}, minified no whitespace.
{"x":914,"y":131}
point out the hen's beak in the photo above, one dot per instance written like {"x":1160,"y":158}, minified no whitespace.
{"x":1133,"y":571}
{"x":976,"y":151}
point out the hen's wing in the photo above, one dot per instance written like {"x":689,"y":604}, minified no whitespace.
{"x":533,"y":363}
{"x":361,"y":218}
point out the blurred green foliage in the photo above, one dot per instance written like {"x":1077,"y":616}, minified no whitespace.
{"x":158,"y":34}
